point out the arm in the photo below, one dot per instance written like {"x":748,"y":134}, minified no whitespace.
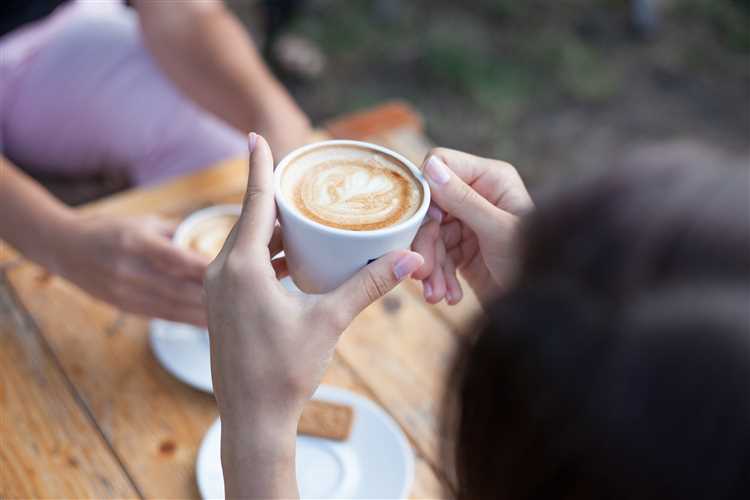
{"x":208,"y":55}
{"x":22,"y":199}
{"x":130,"y":263}
{"x":270,"y":347}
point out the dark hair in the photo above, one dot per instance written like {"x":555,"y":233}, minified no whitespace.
{"x":618,"y":366}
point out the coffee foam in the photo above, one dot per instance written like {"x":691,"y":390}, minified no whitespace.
{"x":350,"y":187}
{"x":208,"y":235}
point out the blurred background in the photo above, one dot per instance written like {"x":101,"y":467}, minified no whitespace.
{"x":551,"y":86}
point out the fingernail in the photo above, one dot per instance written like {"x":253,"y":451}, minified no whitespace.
{"x":406,"y":265}
{"x":427,"y":289}
{"x":437,"y":170}
{"x":435,"y":213}
{"x":252,"y":140}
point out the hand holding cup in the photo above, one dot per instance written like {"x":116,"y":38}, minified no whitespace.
{"x":270,"y":346}
{"x":477,"y":206}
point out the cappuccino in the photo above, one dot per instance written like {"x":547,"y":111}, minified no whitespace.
{"x":351,"y":187}
{"x":205,"y":231}
{"x":208,"y":236}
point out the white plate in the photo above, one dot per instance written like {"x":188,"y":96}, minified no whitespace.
{"x":375,"y":462}
{"x":183,"y":350}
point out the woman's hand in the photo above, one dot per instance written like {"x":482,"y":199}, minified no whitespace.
{"x":270,"y":346}
{"x":132,"y":263}
{"x":475,"y":228}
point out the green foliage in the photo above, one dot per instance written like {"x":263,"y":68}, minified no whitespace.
{"x":495,"y":84}
{"x":561,"y":61}
{"x":503,"y":8}
{"x":343,"y":29}
{"x":495,"y":61}
{"x":585,"y":74}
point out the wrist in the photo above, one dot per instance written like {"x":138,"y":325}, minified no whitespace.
{"x":260,"y":421}
{"x":57,"y":227}
{"x":63,"y":231}
{"x":272,"y":440}
{"x":266,"y":449}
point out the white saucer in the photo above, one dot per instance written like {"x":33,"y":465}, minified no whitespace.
{"x":183,"y":350}
{"x":375,"y":462}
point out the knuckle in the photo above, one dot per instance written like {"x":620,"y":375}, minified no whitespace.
{"x":233,"y":266}
{"x":337,"y":318}
{"x":506,"y":168}
{"x":239,"y":271}
{"x":427,"y":235}
{"x":296,"y":383}
{"x":439,"y":152}
{"x":255,"y":193}
{"x":375,"y":286}
{"x":465,"y":194}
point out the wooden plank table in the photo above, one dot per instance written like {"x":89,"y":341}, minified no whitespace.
{"x":87,"y":411}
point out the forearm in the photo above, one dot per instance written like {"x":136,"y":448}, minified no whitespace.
{"x":29,"y":214}
{"x":258,"y":459}
{"x":207,"y":53}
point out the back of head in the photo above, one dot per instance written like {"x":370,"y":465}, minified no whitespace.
{"x":619,"y":364}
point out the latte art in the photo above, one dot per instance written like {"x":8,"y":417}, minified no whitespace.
{"x":351,"y":188}
{"x":208,"y":236}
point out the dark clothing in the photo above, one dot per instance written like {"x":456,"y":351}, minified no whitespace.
{"x":16,"y":13}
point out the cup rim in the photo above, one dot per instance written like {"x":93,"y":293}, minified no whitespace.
{"x":292,"y":210}
{"x":203,"y":214}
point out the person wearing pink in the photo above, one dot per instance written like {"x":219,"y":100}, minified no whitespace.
{"x":144,"y":93}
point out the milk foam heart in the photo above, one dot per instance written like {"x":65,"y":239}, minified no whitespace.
{"x":349,"y":187}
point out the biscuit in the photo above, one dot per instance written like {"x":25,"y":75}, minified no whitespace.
{"x":326,"y":420}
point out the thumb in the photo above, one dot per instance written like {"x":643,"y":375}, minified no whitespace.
{"x":460,"y":200}
{"x":257,"y":221}
{"x":372,"y":282}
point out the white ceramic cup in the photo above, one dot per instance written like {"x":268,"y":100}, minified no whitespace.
{"x":319,"y":257}
{"x":186,"y":226}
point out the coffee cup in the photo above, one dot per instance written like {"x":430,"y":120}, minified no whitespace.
{"x":205,"y":230}
{"x":342,"y":204}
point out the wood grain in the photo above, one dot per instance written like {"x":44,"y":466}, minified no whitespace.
{"x":402,"y":134}
{"x":460,"y":317}
{"x":371,"y":122}
{"x":402,"y":352}
{"x":48,"y":445}
{"x":154,"y":422}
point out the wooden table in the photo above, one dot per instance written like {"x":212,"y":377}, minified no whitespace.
{"x":87,"y":411}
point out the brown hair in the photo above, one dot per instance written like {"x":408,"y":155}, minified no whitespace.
{"x":619,"y":364}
